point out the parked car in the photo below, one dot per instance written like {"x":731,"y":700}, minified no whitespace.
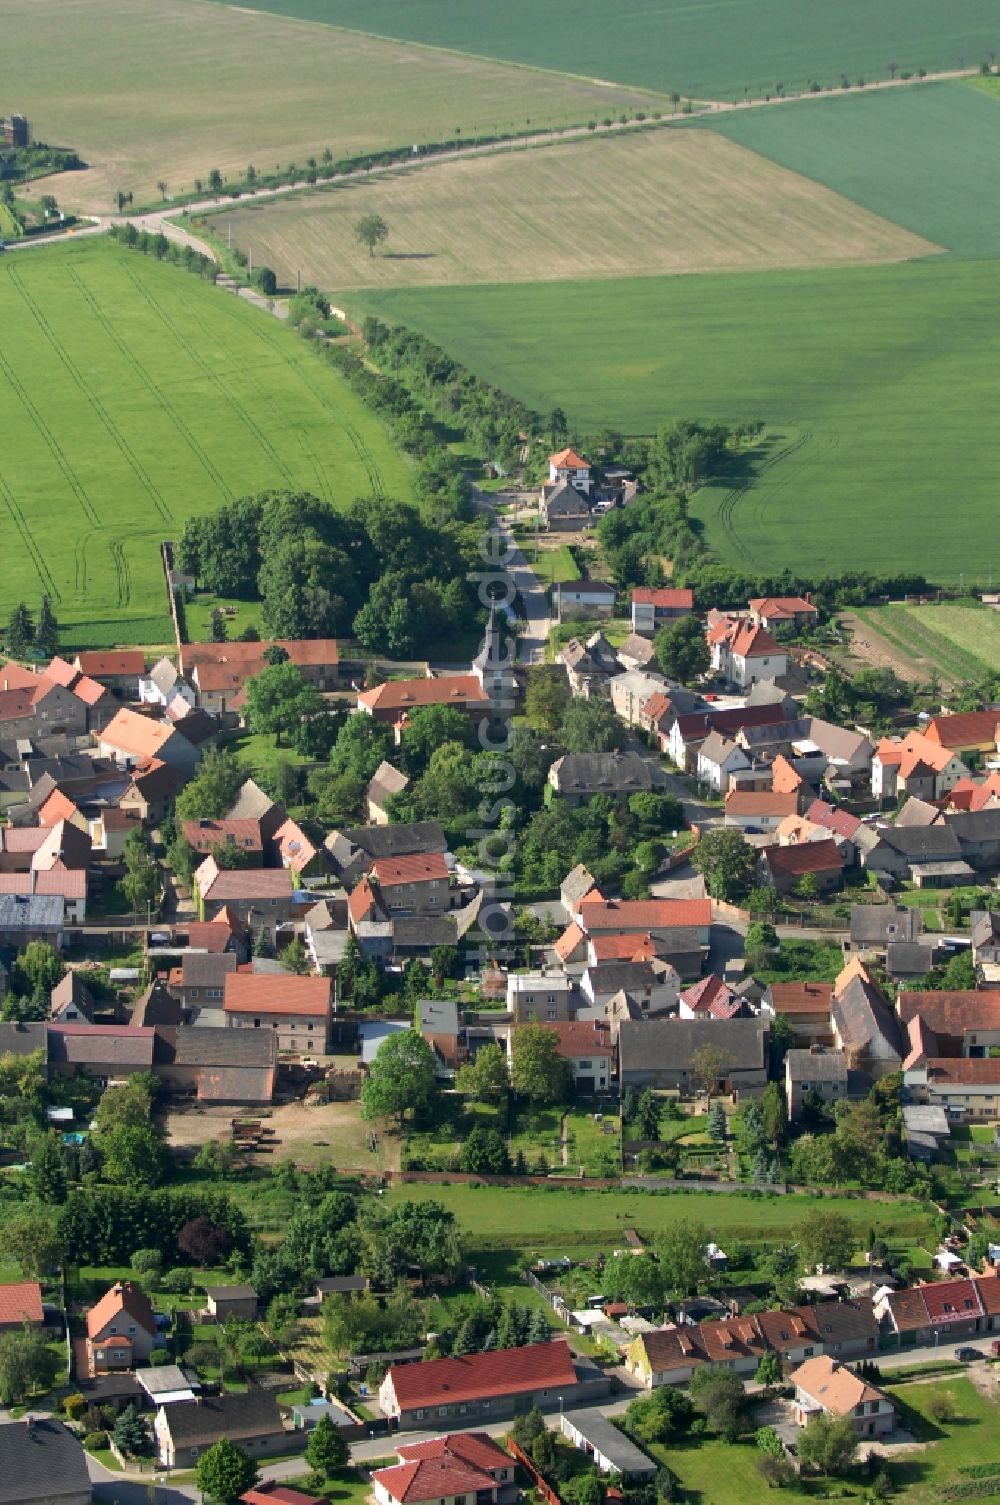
{"x":968,"y":1355}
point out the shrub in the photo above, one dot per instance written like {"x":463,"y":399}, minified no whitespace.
{"x":95,"y":1440}
{"x":158,"y":1357}
{"x":74,"y":1406}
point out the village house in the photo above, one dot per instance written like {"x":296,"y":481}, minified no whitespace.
{"x":200,"y":980}
{"x":978,"y":834}
{"x":68,"y":887}
{"x":711,"y":998}
{"x":450,"y":1470}
{"x":568,"y":468}
{"x":637,"y":653}
{"x":758,"y":811}
{"x":163,"y":685}
{"x":71,"y":1000}
{"x":539,"y":997}
{"x":744,"y":654}
{"x":298,"y":1009}
{"x":121,"y":1330}
{"x":260,"y":898}
{"x":153,"y":786}
{"x":484,"y":1386}
{"x":806,"y":1005}
{"x":824,"y":1386}
{"x":653,"y":609}
{"x":219,"y":671}
{"x":864,"y":1025}
{"x":785,"y":867}
{"x":914,"y":765}
{"x":383,"y":784}
{"x":658,"y":1053}
{"x":927,"y":855}
{"x":586,"y":599}
{"x":578,"y":777}
{"x":776,"y":612}
{"x":589,"y":666}
{"x":43,"y":1463}
{"x":132,"y":739}
{"x":819,"y":1071}
{"x":968,"y":734}
{"x":392,"y":700}
{"x":32,"y":917}
{"x":413,"y":885}
{"x":718,"y":758}
{"x":945,"y":1311}
{"x":353,"y":850}
{"x":185,"y":1430}
{"x":653,"y":985}
{"x":588,"y":1050}
{"x":841,"y":1329}
{"x":577,"y":884}
{"x":224,"y":1302}
{"x":119,"y":670}
{"x":631,"y":691}
{"x":690,"y":730}
{"x":564,"y":508}
{"x":671,"y":1355}
{"x":203,"y":836}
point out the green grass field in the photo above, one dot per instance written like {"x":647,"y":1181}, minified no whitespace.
{"x":172,"y":88}
{"x":572,"y":1222}
{"x":707,"y":48}
{"x":133,"y":395}
{"x":878,"y":385}
{"x":957,"y":640}
{"x":918,"y":156}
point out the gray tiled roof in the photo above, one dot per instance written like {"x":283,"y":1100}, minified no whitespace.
{"x":408,"y":840}
{"x":877,"y":924}
{"x":22,"y":1039}
{"x":42,"y":1462}
{"x":669,"y":1043}
{"x":203,"y":1422}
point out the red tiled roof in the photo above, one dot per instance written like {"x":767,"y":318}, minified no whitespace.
{"x":698,"y":724}
{"x":953,"y":1013}
{"x":24,"y":839}
{"x":623,"y":948}
{"x":963,"y":1072}
{"x":407,"y":694}
{"x":67,"y":884}
{"x":472,"y":1447}
{"x":269,"y":993}
{"x":806,"y":857}
{"x":801,"y":997}
{"x":421,"y":867}
{"x":88,"y":690}
{"x":753,"y":642}
{"x":202,"y":835}
{"x":297,"y":851}
{"x":714,"y":996}
{"x":15,"y":705}
{"x":581,"y":1038}
{"x":59,"y":672}
{"x":952,"y":1300}
{"x":967,"y":729}
{"x":760,"y":802}
{"x":784,"y":778}
{"x":655,"y":707}
{"x":269,"y":1493}
{"x":122,"y":1297}
{"x":120,"y":664}
{"x":311,"y":652}
{"x":644,"y":914}
{"x":672,"y":597}
{"x":362,"y":899}
{"x":840,"y":822}
{"x":568,"y":459}
{"x":21,"y":1301}
{"x":431,"y":1479}
{"x":781,"y":607}
{"x":236,"y":884}
{"x":505,"y":1371}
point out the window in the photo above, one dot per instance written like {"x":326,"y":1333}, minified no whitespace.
{"x":550,"y":1013}
{"x":194,"y":992}
{"x":256,"y":1024}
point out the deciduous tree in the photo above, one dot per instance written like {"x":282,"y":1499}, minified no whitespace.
{"x":401,"y":1079}
{"x":682,"y":650}
{"x":486,"y":1077}
{"x":726,"y":862}
{"x":224,"y":1472}
{"x":826,"y":1238}
{"x":683,"y":1255}
{"x":537,"y":1070}
{"x":372,"y":231}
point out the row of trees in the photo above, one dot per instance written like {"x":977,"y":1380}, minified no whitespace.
{"x":26,"y":637}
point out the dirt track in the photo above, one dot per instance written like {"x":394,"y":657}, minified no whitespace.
{"x":869,"y":649}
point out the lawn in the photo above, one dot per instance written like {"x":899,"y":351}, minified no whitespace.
{"x":713,"y":48}
{"x":936,"y":146}
{"x":955,"y":639}
{"x":554,"y":566}
{"x":969,"y":1439}
{"x":198,"y":616}
{"x":173,"y":88}
{"x":561,"y":1220}
{"x":697,"y":203}
{"x":133,"y":395}
{"x":878,"y":386}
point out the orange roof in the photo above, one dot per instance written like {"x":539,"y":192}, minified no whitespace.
{"x":21,"y":1301}
{"x":57,"y":807}
{"x":913,"y":751}
{"x":297,"y":851}
{"x":753,"y":642}
{"x":784,"y":778}
{"x":582,"y":1038}
{"x":59,"y":672}
{"x":121,"y":664}
{"x":15,"y":705}
{"x":855,"y":969}
{"x":407,"y":694}
{"x":568,"y":459}
{"x":421,"y":867}
{"x":270,"y":993}
{"x":567,"y":943}
{"x":835,"y":1387}
{"x":656,"y":706}
{"x":230,"y":885}
{"x":122,"y":1297}
{"x":14,"y":677}
{"x":202,"y":835}
{"x":644,"y":914}
{"x":56,"y":880}
{"x":137,"y":735}
{"x":806,"y":857}
{"x":801,"y":997}
{"x":219,"y":664}
{"x":623,"y":948}
{"x":671,"y":597}
{"x":88,"y":690}
{"x":361,"y":901}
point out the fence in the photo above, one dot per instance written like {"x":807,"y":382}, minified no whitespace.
{"x":547,"y":1494}
{"x":554,"y":1300}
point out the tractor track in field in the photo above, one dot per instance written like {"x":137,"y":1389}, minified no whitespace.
{"x":732,"y":498}
{"x":51,"y":442}
{"x":111,"y":428}
{"x":31,"y":547}
{"x":198,"y":360}
{"x":147,"y":381}
{"x":359,"y":445}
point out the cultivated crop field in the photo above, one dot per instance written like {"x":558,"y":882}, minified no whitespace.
{"x":168,"y":89}
{"x":133,"y":395}
{"x":919,"y":156}
{"x":879,"y":386}
{"x":695,"y":203}
{"x":956,"y":640}
{"x":707,"y":48}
